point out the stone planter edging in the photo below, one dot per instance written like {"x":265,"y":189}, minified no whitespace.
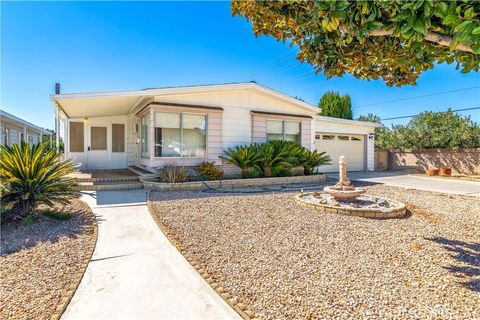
{"x":396,"y":213}
{"x":240,"y":308}
{"x":70,"y":291}
{"x":230,"y":183}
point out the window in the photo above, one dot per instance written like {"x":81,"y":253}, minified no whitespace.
{"x":355,"y":139}
{"x":118,"y":137}
{"x":5,"y":137}
{"x":180,"y":135}
{"x":98,"y":138}
{"x":145,"y":120}
{"x":30,"y":139}
{"x":21,"y":137}
{"x":317,"y":137}
{"x":328,"y":137}
{"x":283,"y":130}
{"x":343,"y":137}
{"x":76,"y":137}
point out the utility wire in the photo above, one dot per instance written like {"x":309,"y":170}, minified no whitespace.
{"x":415,"y":115}
{"x":416,"y":97}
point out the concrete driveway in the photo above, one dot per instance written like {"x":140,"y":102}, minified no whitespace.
{"x":135,"y":273}
{"x":451,"y":186}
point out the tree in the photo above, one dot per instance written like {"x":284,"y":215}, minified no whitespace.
{"x":392,"y":40}
{"x":335,"y":105}
{"x":370,"y":118}
{"x":431,"y":130}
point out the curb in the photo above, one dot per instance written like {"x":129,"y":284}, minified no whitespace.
{"x":79,"y":276}
{"x":242,"y":310}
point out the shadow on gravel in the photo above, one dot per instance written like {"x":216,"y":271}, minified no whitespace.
{"x":468,"y":256}
{"x":17,"y":236}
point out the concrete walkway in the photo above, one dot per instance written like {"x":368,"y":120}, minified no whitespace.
{"x":135,"y":273}
{"x":444,"y":185}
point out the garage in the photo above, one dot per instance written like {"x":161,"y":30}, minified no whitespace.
{"x":336,"y":145}
{"x":350,"y":138}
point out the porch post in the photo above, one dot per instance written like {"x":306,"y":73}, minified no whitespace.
{"x":57,"y":128}
{"x":151,"y":137}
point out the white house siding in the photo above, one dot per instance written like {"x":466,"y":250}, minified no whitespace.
{"x":237,"y":105}
{"x":131,"y":139}
{"x":14,"y":132}
{"x":344,"y":128}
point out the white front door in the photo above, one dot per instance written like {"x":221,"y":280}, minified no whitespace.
{"x":98,"y":147}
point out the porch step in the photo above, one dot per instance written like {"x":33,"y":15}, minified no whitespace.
{"x":110,"y":185}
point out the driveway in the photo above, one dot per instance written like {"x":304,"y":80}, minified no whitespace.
{"x":135,"y":273}
{"x":451,"y":186}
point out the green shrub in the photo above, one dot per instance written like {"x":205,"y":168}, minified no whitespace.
{"x":208,"y":171}
{"x":309,"y":160}
{"x":173,"y":174}
{"x":244,"y":157}
{"x":35,"y":175}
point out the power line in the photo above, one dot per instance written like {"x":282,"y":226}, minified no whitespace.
{"x":415,"y":115}
{"x":416,"y":97}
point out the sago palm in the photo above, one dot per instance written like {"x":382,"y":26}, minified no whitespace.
{"x":34,"y":175}
{"x":243,"y":157}
{"x":312,"y":159}
{"x":273,"y":155}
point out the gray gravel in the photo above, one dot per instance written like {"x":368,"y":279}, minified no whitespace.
{"x":39,"y":262}
{"x":288,"y":262}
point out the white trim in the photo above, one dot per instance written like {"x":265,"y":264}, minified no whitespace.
{"x":346,"y":121}
{"x":182,"y":90}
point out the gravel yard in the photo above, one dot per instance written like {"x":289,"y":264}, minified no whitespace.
{"x":39,"y":262}
{"x":288,"y":262}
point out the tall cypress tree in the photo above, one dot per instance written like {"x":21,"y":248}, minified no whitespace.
{"x":335,"y":105}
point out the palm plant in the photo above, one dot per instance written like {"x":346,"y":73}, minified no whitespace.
{"x":244,"y":157}
{"x":273,"y":155}
{"x":34,"y":175}
{"x":312,"y":159}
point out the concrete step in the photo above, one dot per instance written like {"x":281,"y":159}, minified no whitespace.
{"x":109,"y":185}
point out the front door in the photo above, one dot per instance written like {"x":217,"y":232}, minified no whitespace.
{"x":97,"y":147}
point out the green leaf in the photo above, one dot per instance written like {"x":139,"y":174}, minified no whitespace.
{"x":441,"y":9}
{"x":450,"y":19}
{"x":476,"y":48}
{"x":339,"y":14}
{"x":405,"y":28}
{"x":419,"y":26}
{"x":476,"y":30}
{"x":417,"y":4}
{"x":469,"y":14}
{"x":461,"y":26}
{"x":453,"y":44}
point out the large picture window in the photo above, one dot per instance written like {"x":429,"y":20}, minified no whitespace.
{"x":180,"y":135}
{"x":283,"y":130}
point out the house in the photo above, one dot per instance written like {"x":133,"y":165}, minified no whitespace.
{"x":14,"y":130}
{"x":184,"y":126}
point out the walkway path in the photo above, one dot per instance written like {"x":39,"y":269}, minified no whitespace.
{"x":451,"y":186}
{"x":135,"y":273}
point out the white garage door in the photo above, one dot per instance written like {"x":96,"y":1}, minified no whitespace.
{"x":336,"y":145}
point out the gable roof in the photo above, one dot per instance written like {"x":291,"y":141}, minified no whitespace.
{"x":134,"y":97}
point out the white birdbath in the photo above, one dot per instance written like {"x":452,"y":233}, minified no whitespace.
{"x":343,"y":190}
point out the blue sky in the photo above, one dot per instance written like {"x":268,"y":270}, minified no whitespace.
{"x":100,"y":46}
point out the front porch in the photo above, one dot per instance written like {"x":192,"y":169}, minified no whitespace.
{"x":111,"y":179}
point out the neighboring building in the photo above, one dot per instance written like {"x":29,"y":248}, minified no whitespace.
{"x":152,"y":128}
{"x":14,"y":130}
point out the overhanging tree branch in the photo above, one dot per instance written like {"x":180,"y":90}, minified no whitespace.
{"x":431,"y":36}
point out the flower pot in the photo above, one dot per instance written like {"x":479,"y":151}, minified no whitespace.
{"x":432,"y":171}
{"x":446,"y":171}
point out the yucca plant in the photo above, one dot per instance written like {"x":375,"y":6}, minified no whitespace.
{"x":312,"y":159}
{"x":173,"y":174}
{"x":244,"y":157}
{"x":36,"y":175}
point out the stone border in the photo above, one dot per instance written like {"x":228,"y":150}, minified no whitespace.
{"x":375,"y":214}
{"x":251,"y":182}
{"x":79,"y":276}
{"x":240,"y":308}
